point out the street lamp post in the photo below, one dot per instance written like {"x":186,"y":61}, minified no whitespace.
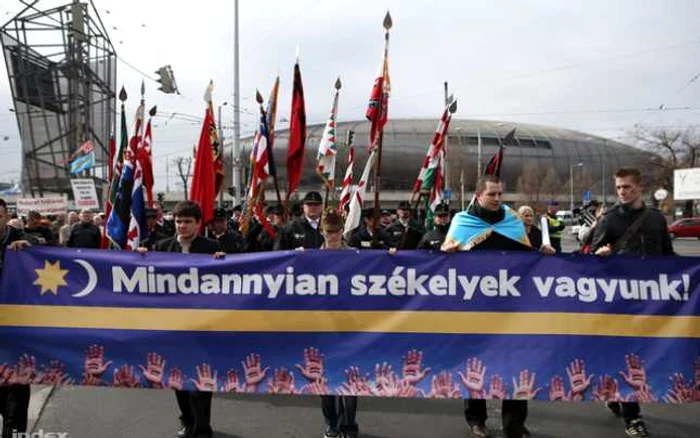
{"x":571,"y":185}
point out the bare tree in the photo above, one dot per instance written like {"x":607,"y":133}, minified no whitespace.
{"x":551,"y":184}
{"x":530,"y":182}
{"x":673,"y":149}
{"x":184,"y":169}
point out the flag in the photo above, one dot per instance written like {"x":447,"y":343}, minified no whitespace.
{"x":347,"y":181}
{"x":432,"y":173}
{"x":271,"y":118}
{"x":119,"y":219}
{"x":297,"y":134}
{"x":328,"y":149}
{"x":137,"y":231}
{"x":203,"y":189}
{"x":116,"y":169}
{"x":82,"y":163}
{"x":496,"y":162}
{"x":352,"y":221}
{"x":378,"y":107}
{"x":259,"y":156}
{"x":145,"y":158}
{"x":217,"y":157}
{"x":112,"y":155}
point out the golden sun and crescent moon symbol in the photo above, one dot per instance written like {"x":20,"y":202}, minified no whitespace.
{"x":52,"y":276}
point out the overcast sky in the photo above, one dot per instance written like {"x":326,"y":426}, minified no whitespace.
{"x":591,"y":65}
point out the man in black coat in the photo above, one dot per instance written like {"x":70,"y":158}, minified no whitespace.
{"x":363,"y":236}
{"x":230,"y":240}
{"x":405,"y":233}
{"x":303,"y":232}
{"x":85,"y":234}
{"x":195,"y":406}
{"x":488,"y":207}
{"x":40,"y":233}
{"x":156,"y":232}
{"x":619,"y":232}
{"x":434,"y":238}
{"x":14,"y":399}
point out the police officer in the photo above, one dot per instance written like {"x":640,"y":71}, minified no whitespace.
{"x":304,"y":231}
{"x":405,"y":233}
{"x":363,"y":236}
{"x":433,"y":239}
{"x":230,"y":240}
{"x":556,"y":227}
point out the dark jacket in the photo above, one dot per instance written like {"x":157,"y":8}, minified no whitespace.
{"x":433,"y":239}
{"x":265,"y":241}
{"x":84,"y":235}
{"x":231,"y":242}
{"x":405,"y":237}
{"x":495,"y":240}
{"x":535,"y":236}
{"x":200,"y":245}
{"x":298,"y":233}
{"x":362,"y":239}
{"x":155,"y":235}
{"x":11,"y":235}
{"x":650,"y":239}
{"x":40,"y":231}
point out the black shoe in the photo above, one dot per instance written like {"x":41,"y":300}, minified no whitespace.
{"x":526,"y":433}
{"x":615,"y":408}
{"x":637,"y":428}
{"x":183,"y":431}
{"x":479,"y":430}
{"x":331,"y":432}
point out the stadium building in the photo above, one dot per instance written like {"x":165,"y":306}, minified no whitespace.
{"x":537,"y":168}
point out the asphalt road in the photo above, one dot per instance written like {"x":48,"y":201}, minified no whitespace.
{"x":118,"y":413}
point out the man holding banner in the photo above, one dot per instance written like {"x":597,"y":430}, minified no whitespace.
{"x":195,"y":406}
{"x":631,"y":228}
{"x":488,"y":224}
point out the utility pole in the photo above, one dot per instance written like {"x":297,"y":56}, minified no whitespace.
{"x":222,"y":150}
{"x":236,"y":112}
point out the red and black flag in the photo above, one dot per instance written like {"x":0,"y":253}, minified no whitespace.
{"x":496,"y":162}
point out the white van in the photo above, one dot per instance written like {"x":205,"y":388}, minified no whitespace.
{"x":566,"y":216}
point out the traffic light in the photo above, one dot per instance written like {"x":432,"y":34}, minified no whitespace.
{"x":231,"y":191}
{"x":166,"y":79}
{"x":161,"y":196}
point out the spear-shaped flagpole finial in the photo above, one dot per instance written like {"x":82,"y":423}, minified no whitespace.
{"x":338,"y":84}
{"x":143,"y":88}
{"x":153,"y":111}
{"x":453,"y":105}
{"x":296,"y":54}
{"x":122,"y":94}
{"x":258,"y":97}
{"x":387,"y":21}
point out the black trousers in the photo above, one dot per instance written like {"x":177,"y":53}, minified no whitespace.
{"x":513,"y":413}
{"x":14,"y":407}
{"x":630,"y":411}
{"x":339,"y":412}
{"x":195,"y":412}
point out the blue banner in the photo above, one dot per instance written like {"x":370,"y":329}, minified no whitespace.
{"x":414,"y":324}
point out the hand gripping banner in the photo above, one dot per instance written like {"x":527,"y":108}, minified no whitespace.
{"x":416,"y":324}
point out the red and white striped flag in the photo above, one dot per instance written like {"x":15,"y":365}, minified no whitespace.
{"x":358,"y":197}
{"x":347,"y":181}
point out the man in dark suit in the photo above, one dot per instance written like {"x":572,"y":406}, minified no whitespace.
{"x":195,"y":406}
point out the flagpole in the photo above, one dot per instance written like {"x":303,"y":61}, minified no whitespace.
{"x":447,"y":137}
{"x":378,"y":170}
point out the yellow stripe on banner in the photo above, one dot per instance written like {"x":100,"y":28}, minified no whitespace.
{"x":501,"y":323}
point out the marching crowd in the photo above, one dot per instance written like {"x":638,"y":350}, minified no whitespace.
{"x":628,"y":227}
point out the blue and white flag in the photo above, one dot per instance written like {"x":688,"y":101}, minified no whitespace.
{"x":82,"y":163}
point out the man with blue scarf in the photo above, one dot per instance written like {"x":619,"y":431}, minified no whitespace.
{"x":488,"y":224}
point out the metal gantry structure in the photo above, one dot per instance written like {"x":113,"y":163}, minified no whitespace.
{"x":62,"y":72}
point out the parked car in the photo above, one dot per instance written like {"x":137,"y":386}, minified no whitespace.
{"x":688,"y":227}
{"x":566,"y":217}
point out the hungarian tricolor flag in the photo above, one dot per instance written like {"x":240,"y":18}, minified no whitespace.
{"x":328,"y":148}
{"x":378,"y":108}
{"x":358,"y":197}
{"x":297,"y":134}
{"x":203,"y":190}
{"x":432,"y":174}
{"x":347,"y":181}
